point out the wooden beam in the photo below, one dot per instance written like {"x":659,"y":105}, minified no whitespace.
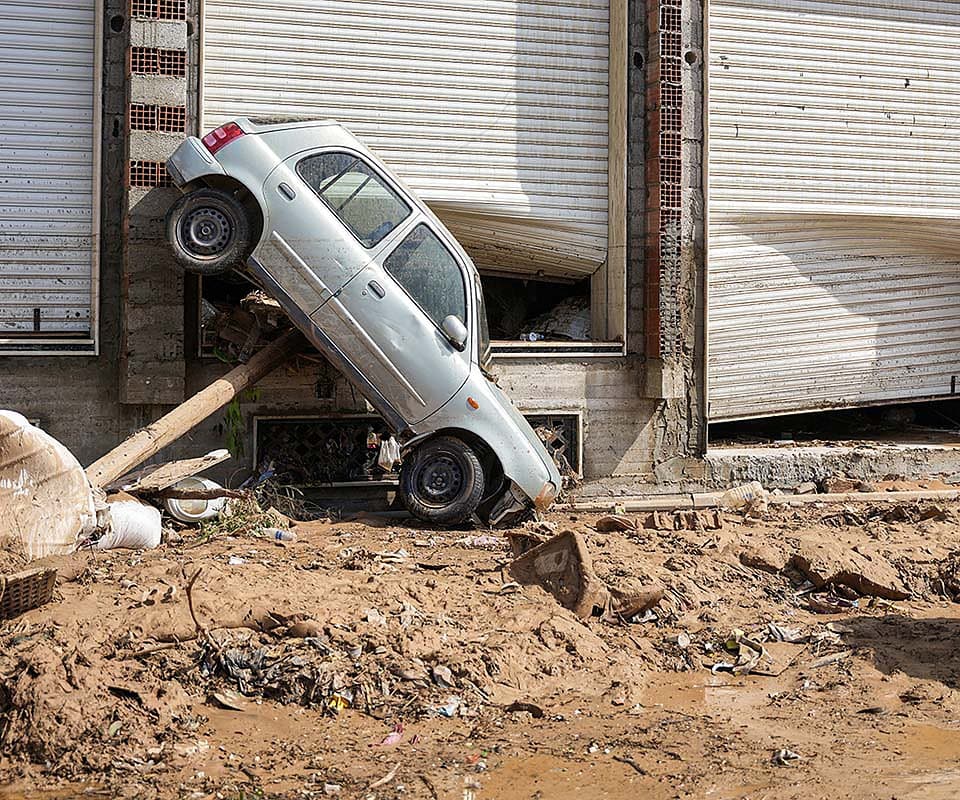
{"x":617,"y":173}
{"x":157,"y":435}
{"x":608,"y":288}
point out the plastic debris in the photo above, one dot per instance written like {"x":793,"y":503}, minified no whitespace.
{"x":785,"y":758}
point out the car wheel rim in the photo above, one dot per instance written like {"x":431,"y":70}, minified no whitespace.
{"x":205,"y":231}
{"x":440,"y":480}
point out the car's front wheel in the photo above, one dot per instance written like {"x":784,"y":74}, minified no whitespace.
{"x":209,"y":232}
{"x":442,"y":481}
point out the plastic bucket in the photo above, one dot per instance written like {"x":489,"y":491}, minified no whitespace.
{"x":194,"y":510}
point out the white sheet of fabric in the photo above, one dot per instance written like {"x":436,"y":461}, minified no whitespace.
{"x":133,"y":526}
{"x":46,"y":501}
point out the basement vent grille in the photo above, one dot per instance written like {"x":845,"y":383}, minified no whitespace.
{"x":158,"y":61}
{"x":316,"y":451}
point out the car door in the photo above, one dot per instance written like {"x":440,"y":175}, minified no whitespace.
{"x":393,"y":310}
{"x":328,"y":211}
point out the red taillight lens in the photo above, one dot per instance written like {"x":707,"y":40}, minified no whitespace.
{"x":222,"y":136}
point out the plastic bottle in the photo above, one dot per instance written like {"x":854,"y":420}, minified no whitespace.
{"x":279,"y":535}
{"x":739,"y":496}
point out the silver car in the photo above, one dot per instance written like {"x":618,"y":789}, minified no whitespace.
{"x":380,"y":287}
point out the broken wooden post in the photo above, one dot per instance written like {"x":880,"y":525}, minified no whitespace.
{"x":157,"y":435}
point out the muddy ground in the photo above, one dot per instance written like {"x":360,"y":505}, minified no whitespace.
{"x":399,"y":662}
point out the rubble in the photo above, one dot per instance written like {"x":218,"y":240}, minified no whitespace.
{"x":344,"y":659}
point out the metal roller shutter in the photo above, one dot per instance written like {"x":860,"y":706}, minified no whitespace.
{"x":48,"y":90}
{"x":495,"y":111}
{"x":834,"y":167}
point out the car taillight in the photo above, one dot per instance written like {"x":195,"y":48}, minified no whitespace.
{"x":223,"y":135}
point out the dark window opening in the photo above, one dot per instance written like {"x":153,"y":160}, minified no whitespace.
{"x":930,"y":422}
{"x":537,"y":311}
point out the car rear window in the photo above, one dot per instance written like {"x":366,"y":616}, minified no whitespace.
{"x":355,"y":193}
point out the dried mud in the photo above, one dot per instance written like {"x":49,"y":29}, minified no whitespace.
{"x":396,"y":661}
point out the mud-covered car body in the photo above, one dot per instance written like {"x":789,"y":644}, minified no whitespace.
{"x":377,"y":284}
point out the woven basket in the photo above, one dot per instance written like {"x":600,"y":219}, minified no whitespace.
{"x":25,"y":590}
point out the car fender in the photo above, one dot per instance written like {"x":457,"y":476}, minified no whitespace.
{"x":493,"y":419}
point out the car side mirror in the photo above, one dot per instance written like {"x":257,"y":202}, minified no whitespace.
{"x":455,"y":331}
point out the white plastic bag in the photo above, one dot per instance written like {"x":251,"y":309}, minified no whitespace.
{"x":389,"y":453}
{"x":133,"y":525}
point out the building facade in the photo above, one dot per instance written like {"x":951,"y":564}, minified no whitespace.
{"x":561,"y":143}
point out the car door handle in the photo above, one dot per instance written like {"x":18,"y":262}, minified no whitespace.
{"x":286,"y":191}
{"x":377,"y":289}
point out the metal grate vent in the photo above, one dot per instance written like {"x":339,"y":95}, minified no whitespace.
{"x":315,"y":451}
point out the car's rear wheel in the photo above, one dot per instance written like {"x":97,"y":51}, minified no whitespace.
{"x":442,"y":481}
{"x":209,"y":232}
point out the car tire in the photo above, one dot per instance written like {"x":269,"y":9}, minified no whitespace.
{"x":209,"y":232}
{"x":442,"y":481}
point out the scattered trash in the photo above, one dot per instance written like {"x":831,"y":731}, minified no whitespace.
{"x":449,"y":709}
{"x":46,"y":498}
{"x":833,"y":658}
{"x":829,"y":603}
{"x":236,"y":561}
{"x":615,"y":522}
{"x":785,"y":758}
{"x":778,"y":633}
{"x":278,"y":535}
{"x":230,"y":700}
{"x":563,"y":567}
{"x":26,"y":590}
{"x":742,"y":496}
{"x":631,"y":597}
{"x":192,"y":510}
{"x":389,"y":454}
{"x":393,"y":738}
{"x":483,"y":541}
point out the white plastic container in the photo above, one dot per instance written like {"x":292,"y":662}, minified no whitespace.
{"x":194,"y":510}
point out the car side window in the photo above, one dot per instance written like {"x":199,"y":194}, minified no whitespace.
{"x":428,"y":272}
{"x":355,"y":193}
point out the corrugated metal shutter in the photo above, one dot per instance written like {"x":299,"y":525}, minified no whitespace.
{"x":834,"y":197}
{"x":494,"y":110}
{"x":47,"y":96}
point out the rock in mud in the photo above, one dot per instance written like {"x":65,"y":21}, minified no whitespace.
{"x":765,"y":558}
{"x":826,"y":563}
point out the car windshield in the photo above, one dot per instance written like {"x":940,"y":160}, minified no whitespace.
{"x":355,"y":193}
